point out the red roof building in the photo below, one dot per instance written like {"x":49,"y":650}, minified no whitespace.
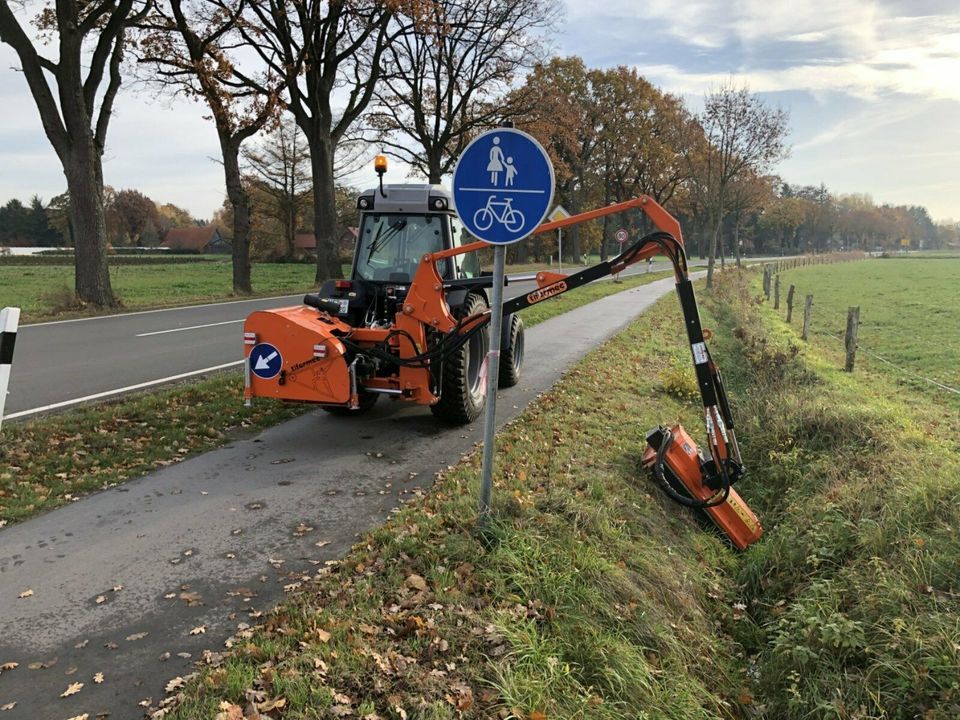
{"x":207,"y":239}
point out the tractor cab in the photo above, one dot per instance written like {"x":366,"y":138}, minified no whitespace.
{"x":399,"y":224}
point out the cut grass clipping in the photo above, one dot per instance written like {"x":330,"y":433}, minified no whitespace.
{"x":49,"y":461}
{"x":594,"y":597}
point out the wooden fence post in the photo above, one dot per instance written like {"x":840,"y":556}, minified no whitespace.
{"x":766,"y":280}
{"x":807,"y":312}
{"x":790,"y":303}
{"x":776,"y":292}
{"x":850,"y":338}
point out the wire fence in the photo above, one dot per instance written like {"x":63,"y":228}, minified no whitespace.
{"x":834,"y":318}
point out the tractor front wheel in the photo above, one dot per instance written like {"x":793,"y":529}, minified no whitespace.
{"x":462,"y":394}
{"x":511,"y":351}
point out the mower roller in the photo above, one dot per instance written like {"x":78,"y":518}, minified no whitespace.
{"x":411,"y":324}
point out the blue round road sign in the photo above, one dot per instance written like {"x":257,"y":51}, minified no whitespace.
{"x":503,"y":186}
{"x":265,"y":361}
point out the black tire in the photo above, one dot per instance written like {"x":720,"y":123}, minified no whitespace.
{"x":366,"y":400}
{"x":462,"y":395}
{"x":511,"y":351}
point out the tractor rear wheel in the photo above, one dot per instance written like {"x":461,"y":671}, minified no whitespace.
{"x":462,"y":394}
{"x":511,"y":351}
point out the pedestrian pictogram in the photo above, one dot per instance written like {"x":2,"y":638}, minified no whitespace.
{"x":502,"y":186}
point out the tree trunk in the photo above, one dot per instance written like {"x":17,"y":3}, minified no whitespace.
{"x":736,"y":240}
{"x":324,"y":208}
{"x":712,"y":254}
{"x":241,"y":216}
{"x":84,"y":172}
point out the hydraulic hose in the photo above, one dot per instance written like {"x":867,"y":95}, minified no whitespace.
{"x":659,"y":474}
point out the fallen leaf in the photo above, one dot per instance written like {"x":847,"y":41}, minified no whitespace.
{"x":117,"y":588}
{"x":229,"y":711}
{"x":322,"y":543}
{"x":8,"y":706}
{"x":272,"y":704}
{"x":9,"y":666}
{"x":174,"y":684}
{"x":536,"y":715}
{"x":199,"y":630}
{"x":100,"y":599}
{"x":416,"y":582}
{"x":322,"y":635}
{"x":42,"y":665}
{"x":82,"y":644}
{"x":72,"y":689}
{"x":98,"y":678}
{"x":137,"y":636}
{"x":26,"y":594}
{"x":85,"y":716}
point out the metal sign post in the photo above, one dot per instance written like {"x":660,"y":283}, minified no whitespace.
{"x":493,"y":380}
{"x":559,"y":213}
{"x":502,"y":188}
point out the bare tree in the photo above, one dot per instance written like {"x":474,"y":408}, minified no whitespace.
{"x":745,"y":136}
{"x":189,"y":48}
{"x":321,"y":47}
{"x":280,"y":166}
{"x":448,"y":75}
{"x":75,"y":113}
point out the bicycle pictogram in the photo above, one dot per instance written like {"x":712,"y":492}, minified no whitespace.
{"x":507,"y":216}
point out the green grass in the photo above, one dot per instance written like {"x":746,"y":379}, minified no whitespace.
{"x":51,"y":460}
{"x":909,"y":314}
{"x":47,"y":291}
{"x":591,"y":596}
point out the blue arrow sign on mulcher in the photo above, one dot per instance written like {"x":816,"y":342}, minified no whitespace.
{"x":265,"y":361}
{"x":503,"y":186}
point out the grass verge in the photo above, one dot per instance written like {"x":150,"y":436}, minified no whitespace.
{"x":590,"y":596}
{"x":52,"y":460}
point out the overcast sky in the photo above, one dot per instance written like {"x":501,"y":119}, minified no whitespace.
{"x":872,"y":88}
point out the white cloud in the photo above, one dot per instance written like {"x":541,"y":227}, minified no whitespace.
{"x":852,"y":46}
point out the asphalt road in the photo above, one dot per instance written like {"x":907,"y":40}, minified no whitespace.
{"x":120,"y":578}
{"x":58,"y":364}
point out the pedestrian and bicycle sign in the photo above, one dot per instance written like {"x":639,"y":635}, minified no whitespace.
{"x":265,"y":361}
{"x":503,"y":186}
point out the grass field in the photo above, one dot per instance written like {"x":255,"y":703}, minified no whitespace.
{"x":909,"y":314}
{"x":39,"y":291}
{"x":591,"y":596}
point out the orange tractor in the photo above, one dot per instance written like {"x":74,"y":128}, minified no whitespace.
{"x":411,"y":323}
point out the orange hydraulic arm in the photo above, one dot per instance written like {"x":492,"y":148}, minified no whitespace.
{"x":425,"y":305}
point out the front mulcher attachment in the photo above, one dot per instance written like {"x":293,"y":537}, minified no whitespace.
{"x":687,"y":477}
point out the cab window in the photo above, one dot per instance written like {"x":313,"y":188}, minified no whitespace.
{"x":468,"y":266}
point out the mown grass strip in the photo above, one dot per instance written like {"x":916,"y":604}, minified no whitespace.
{"x":592,"y":597}
{"x":52,"y":460}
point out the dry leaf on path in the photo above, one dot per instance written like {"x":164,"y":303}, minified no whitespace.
{"x":8,"y":706}
{"x":85,"y":716}
{"x":100,"y":599}
{"x":26,"y":594}
{"x":137,"y":636}
{"x":98,"y":678}
{"x":199,"y":630}
{"x":9,"y":666}
{"x":175,"y":683}
{"x":72,"y":689}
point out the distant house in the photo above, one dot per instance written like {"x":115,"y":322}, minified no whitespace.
{"x":207,"y":239}
{"x":307,"y":242}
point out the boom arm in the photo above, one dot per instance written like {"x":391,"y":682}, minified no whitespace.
{"x":425,"y":303}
